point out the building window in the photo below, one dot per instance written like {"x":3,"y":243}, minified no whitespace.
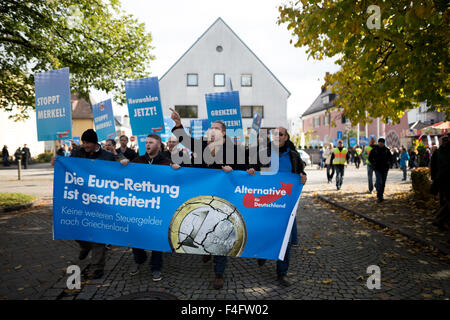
{"x":246,"y":80}
{"x":326,"y":120}
{"x":250,"y":111}
{"x":187,"y":111}
{"x":219,"y":79}
{"x":326,"y":99}
{"x":316,"y":122}
{"x":192,"y":79}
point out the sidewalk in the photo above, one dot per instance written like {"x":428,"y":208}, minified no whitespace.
{"x":397,"y":212}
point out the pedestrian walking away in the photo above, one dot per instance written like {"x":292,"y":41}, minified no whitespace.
{"x":404,"y":158}
{"x":370,"y":171}
{"x":358,"y":152}
{"x":440,"y":171}
{"x":330,"y":168}
{"x":381,"y":159}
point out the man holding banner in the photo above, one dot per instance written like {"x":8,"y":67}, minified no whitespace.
{"x":92,"y":150}
{"x":213,"y":155}
{"x":152,"y":156}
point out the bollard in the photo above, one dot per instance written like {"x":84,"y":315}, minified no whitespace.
{"x":19,"y":168}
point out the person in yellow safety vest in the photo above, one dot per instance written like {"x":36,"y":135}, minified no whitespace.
{"x":369,"y":165}
{"x":358,"y":151}
{"x":339,"y":159}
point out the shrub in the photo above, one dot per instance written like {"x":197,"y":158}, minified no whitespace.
{"x":44,"y":157}
{"x":421,"y":183}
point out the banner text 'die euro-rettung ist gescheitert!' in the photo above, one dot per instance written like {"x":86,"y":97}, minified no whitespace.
{"x":189,"y":210}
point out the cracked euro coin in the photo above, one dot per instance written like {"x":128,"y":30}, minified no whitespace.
{"x":208,"y":225}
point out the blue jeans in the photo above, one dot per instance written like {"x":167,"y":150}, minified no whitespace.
{"x":380,"y":183}
{"x":370,"y":176}
{"x":156,"y":260}
{"x":404,"y":172}
{"x":283,"y":266}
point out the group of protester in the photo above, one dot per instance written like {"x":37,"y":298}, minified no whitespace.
{"x":22,"y":154}
{"x":216,"y":145}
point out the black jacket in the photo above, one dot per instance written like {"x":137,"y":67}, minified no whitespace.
{"x":130,"y":154}
{"x":238,"y":162}
{"x":101,"y":154}
{"x":159,"y":159}
{"x":380,"y":158}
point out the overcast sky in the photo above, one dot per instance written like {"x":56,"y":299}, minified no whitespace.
{"x":176,"y":24}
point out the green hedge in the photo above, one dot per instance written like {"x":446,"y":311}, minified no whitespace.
{"x":44,"y":157}
{"x":421,"y":183}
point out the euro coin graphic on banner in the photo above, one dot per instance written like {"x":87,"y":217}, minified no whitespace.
{"x":208,"y":225}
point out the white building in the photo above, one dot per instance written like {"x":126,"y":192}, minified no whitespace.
{"x":217,"y":57}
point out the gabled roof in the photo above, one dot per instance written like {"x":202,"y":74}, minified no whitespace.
{"x":215,"y":22}
{"x":318,"y":105}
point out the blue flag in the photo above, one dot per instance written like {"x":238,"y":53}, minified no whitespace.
{"x":225,"y":107}
{"x":142,"y":142}
{"x":189,"y":210}
{"x":77,"y":140}
{"x":168,"y":125}
{"x":256,"y":124}
{"x":144,"y":106}
{"x":104,"y":120}
{"x":53,"y":106}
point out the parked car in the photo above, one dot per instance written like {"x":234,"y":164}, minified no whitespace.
{"x":305,"y":157}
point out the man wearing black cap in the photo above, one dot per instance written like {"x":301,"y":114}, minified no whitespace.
{"x":90,"y":149}
{"x":380,"y":158}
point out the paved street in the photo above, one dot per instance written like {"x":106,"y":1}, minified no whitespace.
{"x":335,"y":248}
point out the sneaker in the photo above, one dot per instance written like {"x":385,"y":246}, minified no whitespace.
{"x":282,"y":279}
{"x":261,"y":262}
{"x":156,"y":275}
{"x":135,"y":269}
{"x":218,"y":282}
{"x":206,"y":258}
{"x":83,"y":254}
